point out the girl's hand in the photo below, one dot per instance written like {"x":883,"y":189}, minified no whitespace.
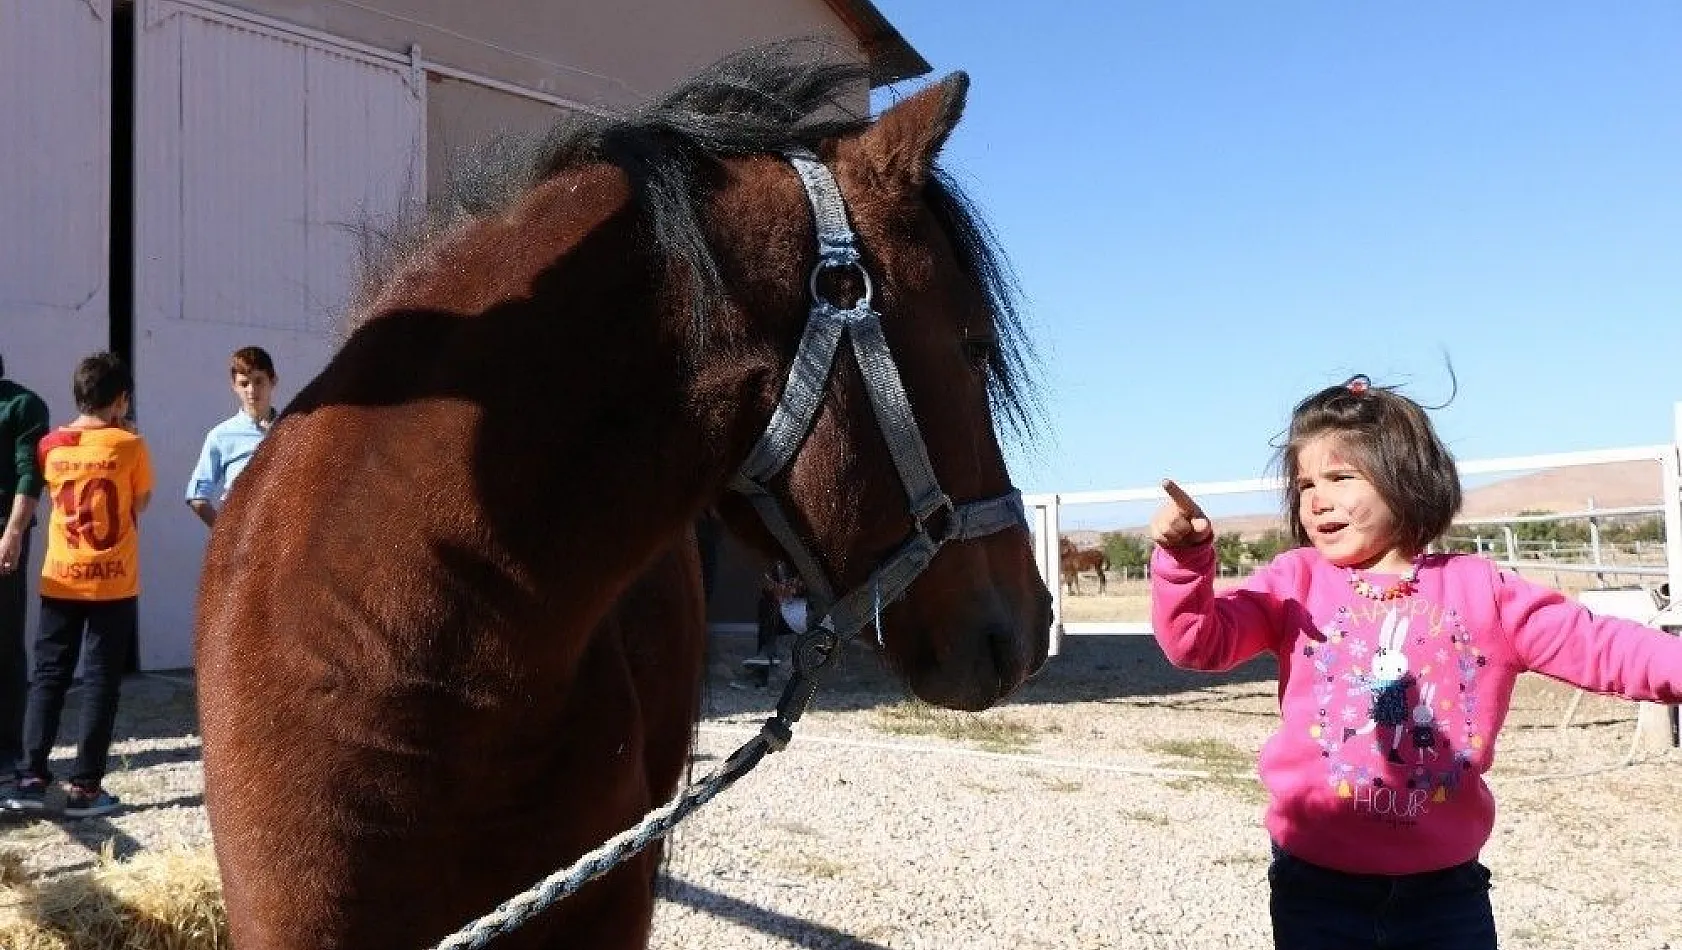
{"x":1180,"y":523}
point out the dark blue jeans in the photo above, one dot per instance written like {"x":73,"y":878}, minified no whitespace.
{"x":110,"y":626}
{"x":1316,"y":908}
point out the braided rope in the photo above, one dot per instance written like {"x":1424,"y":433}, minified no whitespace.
{"x":616,"y":850}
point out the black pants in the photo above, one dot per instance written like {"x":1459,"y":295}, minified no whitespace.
{"x":14,"y":671}
{"x":110,"y":627}
{"x":1317,"y":908}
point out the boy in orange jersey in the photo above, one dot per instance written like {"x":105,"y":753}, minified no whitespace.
{"x":99,"y":479}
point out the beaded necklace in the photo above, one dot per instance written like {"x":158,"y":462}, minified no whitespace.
{"x":1406,"y":586}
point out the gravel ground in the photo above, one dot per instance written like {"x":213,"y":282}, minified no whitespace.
{"x":1110,"y":804}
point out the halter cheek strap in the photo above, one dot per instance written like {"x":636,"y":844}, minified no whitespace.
{"x":796,"y":411}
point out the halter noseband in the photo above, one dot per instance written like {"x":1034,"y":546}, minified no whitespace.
{"x":793,"y":417}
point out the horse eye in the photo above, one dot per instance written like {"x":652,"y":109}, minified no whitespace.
{"x":978,"y":351}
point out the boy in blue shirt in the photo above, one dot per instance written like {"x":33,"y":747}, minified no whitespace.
{"x":231,"y":444}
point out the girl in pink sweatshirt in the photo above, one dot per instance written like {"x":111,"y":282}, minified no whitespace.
{"x":1395,"y":670}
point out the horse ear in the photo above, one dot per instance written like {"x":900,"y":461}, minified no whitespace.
{"x":904,"y":140}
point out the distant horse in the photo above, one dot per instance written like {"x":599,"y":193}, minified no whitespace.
{"x":425,"y":677}
{"x":1075,"y":560}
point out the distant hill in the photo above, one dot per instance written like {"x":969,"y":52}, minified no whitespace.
{"x":1611,"y":485}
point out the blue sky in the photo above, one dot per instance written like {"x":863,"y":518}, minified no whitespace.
{"x":1216,"y":208}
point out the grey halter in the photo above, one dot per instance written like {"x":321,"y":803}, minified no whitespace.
{"x":792,"y":419}
{"x":838,"y":618}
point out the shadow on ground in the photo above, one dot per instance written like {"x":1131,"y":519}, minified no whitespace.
{"x":159,"y":705}
{"x":799,"y":932}
{"x":1088,"y":669}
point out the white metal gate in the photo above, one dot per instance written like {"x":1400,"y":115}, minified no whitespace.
{"x":1045,"y":514}
{"x":263,"y":152}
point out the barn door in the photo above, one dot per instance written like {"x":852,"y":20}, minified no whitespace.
{"x":263,"y":155}
{"x":55,"y":188}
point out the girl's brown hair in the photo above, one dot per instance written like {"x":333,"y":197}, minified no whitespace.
{"x":1391,"y":440}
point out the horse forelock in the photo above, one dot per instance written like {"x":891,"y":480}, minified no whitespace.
{"x":671,"y":150}
{"x":1013,"y":364}
{"x":759,"y":101}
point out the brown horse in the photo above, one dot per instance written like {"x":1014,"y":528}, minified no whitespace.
{"x":1074,"y":560}
{"x":425,"y":677}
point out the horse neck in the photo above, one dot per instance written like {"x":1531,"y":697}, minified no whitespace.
{"x":567,"y":357}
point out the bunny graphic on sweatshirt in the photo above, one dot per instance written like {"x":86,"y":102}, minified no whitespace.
{"x":1388,"y":685}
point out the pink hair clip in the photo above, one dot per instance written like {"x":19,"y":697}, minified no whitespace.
{"x":1359,"y":385}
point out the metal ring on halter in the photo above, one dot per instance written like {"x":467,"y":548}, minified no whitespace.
{"x":816,"y":649}
{"x":950,"y":525}
{"x":858,"y":267}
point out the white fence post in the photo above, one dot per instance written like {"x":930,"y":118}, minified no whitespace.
{"x":1054,"y":557}
{"x":1673,"y":520}
{"x":1047,"y":529}
{"x":1594,"y":543}
{"x":1657,"y":722}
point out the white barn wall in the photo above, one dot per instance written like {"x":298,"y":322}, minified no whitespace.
{"x":260,"y":156}
{"x":55,"y":174}
{"x":55,"y":177}
{"x":595,"y":53}
{"x":264,"y":132}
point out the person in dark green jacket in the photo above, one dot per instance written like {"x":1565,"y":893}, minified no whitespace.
{"x":23,"y":421}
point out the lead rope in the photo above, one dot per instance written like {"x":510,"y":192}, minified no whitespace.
{"x":655,"y":825}
{"x":813,"y":653}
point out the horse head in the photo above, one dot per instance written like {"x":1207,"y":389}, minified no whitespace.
{"x":900,"y":445}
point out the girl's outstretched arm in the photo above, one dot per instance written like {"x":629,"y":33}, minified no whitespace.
{"x":1559,"y":637}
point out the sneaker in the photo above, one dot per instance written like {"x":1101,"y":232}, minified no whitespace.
{"x":89,"y":802}
{"x":29,"y":794}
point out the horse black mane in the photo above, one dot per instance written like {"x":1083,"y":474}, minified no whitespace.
{"x":758,"y":101}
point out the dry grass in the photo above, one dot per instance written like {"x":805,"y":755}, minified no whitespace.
{"x":1211,"y":754}
{"x":1228,"y":767}
{"x":1128,"y":600}
{"x":1123,"y":602}
{"x":991,"y":730}
{"x":159,"y":900}
{"x":13,"y":873}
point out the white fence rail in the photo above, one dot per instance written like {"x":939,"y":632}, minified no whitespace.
{"x":1046,"y":511}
